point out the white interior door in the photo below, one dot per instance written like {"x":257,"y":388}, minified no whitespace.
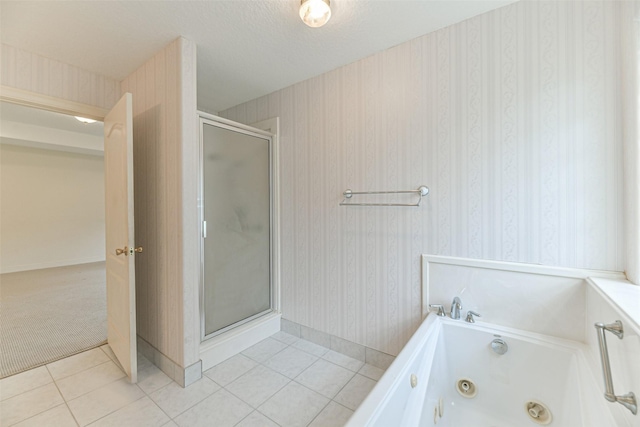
{"x":121,"y":249}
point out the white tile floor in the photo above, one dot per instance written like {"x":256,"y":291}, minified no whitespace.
{"x":281,"y":381}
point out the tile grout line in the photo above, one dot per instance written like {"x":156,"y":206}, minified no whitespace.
{"x":173,"y":419}
{"x":343,"y":367}
{"x":256,"y":410}
{"x":330,"y":399}
{"x":290,"y":380}
{"x":83,"y":370}
{"x":304,"y":370}
{"x":114,"y":411}
{"x":105,"y":385}
{"x":90,"y":391}
{"x":330,"y":336}
{"x":39,"y":413}
{"x":147,"y":395}
{"x":285,"y":347}
{"x":63,"y":399}
{"x":158,"y":406}
{"x":245,"y":417}
{"x":198,"y":402}
{"x":342,"y":388}
{"x":319,"y":412}
{"x":265,"y":366}
{"x":255,"y":407}
{"x":263,"y":363}
{"x":31,"y":389}
{"x":267,"y":417}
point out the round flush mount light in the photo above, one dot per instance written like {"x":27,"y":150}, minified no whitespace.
{"x":315,"y":13}
{"x":84,"y":120}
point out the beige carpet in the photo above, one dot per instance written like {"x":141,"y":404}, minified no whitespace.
{"x":49,"y":314}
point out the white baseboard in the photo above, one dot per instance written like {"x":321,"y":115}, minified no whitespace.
{"x":183,"y":376}
{"x":222,"y":347}
{"x":53,"y":264}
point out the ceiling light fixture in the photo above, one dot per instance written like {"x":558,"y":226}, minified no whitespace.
{"x":85,"y":120}
{"x":315,"y":13}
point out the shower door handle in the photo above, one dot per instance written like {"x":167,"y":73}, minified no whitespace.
{"x":204,"y":229}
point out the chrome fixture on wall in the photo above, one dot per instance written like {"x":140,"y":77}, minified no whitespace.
{"x":627,"y":400}
{"x":422,"y":191}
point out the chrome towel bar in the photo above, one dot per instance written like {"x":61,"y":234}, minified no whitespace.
{"x":421,"y":192}
{"x":627,"y":400}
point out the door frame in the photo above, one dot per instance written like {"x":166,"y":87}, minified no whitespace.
{"x":50,"y":103}
{"x":274,"y":181}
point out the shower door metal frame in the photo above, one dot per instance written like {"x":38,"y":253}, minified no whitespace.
{"x":274,"y":261}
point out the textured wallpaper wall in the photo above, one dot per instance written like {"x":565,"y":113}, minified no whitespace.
{"x":513,"y":121}
{"x":630,"y":46}
{"x":28,"y":71}
{"x":165,"y":142}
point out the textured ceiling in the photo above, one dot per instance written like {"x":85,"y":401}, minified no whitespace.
{"x":246,"y":48}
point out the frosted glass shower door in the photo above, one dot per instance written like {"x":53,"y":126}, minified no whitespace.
{"x":237,"y":210}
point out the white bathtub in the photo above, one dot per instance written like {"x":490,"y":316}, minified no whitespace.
{"x":442,"y":351}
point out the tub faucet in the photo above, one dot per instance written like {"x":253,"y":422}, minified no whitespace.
{"x":456,"y":306}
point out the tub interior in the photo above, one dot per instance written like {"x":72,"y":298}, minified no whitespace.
{"x":537,"y":368}
{"x":531,"y":370}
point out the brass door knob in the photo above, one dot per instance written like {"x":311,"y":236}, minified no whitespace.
{"x":124,"y":251}
{"x":128,"y":251}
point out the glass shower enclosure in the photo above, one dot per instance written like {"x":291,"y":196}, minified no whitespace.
{"x":236,"y":210}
